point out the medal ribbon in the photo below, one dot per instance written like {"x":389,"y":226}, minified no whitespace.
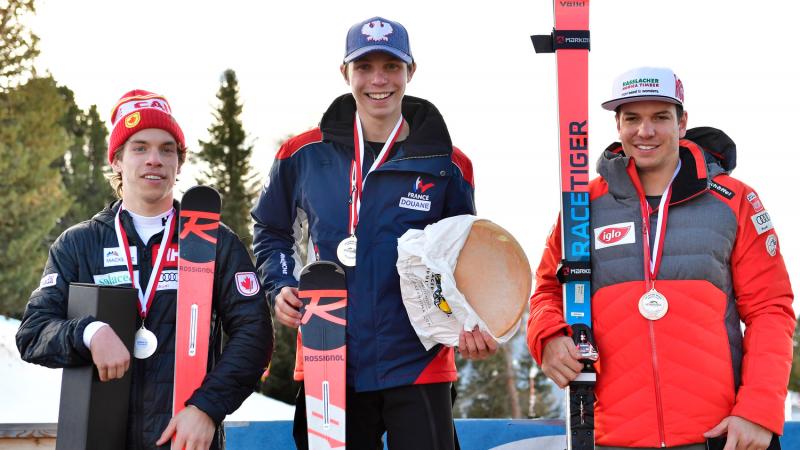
{"x":357,"y":179}
{"x":652,"y":260}
{"x":146,"y":298}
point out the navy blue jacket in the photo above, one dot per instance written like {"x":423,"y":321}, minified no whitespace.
{"x":302,"y":215}
{"x":81,"y":255}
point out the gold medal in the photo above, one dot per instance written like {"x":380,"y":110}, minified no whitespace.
{"x":144,"y":343}
{"x":346,"y":251}
{"x":653,"y":305}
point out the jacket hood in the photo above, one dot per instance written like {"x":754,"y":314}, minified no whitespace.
{"x":428,"y":132}
{"x":705,"y":152}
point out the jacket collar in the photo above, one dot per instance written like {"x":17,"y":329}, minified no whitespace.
{"x":428,"y":133}
{"x":699,"y":165}
{"x":106,"y":216}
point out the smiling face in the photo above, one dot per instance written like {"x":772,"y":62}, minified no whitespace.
{"x":378,"y":82}
{"x":650,"y":132}
{"x":149,"y":165}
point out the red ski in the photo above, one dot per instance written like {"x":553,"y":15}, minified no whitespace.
{"x":570,"y":42}
{"x":199,"y":223}
{"x":323,"y":290}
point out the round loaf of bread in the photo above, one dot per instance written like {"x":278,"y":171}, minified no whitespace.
{"x":494,"y":275}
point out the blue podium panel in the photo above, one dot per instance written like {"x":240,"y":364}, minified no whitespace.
{"x":473,"y":434}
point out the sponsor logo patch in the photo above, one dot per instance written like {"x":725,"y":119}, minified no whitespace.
{"x":772,"y":245}
{"x":752,"y":197}
{"x":132,"y":120}
{"x":762,"y":222}
{"x":410,"y":203}
{"x":420,"y":186}
{"x":247,"y":283}
{"x":721,"y":190}
{"x":48,"y":280}
{"x":115,"y":256}
{"x":170,"y":255}
{"x":417,"y":199}
{"x":615,"y":234}
{"x":167,"y":281}
{"x":114,"y":278}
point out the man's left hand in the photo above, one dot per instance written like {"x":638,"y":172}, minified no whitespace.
{"x":193,"y":430}
{"x":476,"y":344}
{"x":742,"y":434}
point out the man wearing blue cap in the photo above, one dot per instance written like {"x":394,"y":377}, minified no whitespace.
{"x":340,"y":192}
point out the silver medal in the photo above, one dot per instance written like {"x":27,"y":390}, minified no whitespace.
{"x":346,"y":251}
{"x":144,"y":343}
{"x":653,"y":305}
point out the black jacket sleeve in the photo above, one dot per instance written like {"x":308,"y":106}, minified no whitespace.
{"x":247,"y":322}
{"x":45,"y":336}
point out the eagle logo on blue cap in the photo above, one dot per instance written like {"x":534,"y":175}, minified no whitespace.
{"x":376,"y":30}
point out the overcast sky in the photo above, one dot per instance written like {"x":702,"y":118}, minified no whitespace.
{"x":475,"y":62}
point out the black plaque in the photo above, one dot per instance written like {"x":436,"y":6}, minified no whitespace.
{"x":93,"y":415}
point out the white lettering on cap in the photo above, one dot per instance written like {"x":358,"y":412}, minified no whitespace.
{"x":137,"y":105}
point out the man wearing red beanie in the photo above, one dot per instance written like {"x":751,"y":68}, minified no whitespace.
{"x":146,"y":151}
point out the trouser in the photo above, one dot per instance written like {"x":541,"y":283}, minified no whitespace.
{"x":416,"y":417}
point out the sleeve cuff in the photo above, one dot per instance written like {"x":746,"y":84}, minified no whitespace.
{"x":90,"y":330}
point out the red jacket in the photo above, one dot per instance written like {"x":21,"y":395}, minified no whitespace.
{"x":666,"y":382}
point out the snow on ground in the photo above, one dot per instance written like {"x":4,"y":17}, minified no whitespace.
{"x":30,"y":393}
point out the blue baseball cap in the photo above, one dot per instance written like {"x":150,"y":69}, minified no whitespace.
{"x":377,"y":35}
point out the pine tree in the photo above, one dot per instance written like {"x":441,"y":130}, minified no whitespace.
{"x":544,"y":405}
{"x":31,"y":142}
{"x":18,"y":45}
{"x":83,"y":164}
{"x":496,"y":387}
{"x":228,"y":158}
{"x":794,"y":375}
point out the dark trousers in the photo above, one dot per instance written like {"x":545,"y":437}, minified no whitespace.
{"x":416,"y":417}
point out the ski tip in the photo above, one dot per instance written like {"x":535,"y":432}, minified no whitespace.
{"x":319,"y":265}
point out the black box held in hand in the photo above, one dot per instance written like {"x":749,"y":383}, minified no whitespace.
{"x":94,"y":414}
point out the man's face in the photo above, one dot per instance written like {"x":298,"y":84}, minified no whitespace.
{"x":149,"y":166}
{"x":378,"y":81}
{"x":649,"y":132}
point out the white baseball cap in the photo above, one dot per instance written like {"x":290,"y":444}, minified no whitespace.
{"x":645,"y":83}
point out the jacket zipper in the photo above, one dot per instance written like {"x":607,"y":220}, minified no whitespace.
{"x":653,"y":353}
{"x":656,"y":379}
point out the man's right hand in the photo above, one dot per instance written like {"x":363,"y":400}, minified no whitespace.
{"x":560,"y":360}
{"x":109,"y":354}
{"x":287,"y":307}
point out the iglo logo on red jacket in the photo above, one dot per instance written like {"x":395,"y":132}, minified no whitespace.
{"x":615,"y":234}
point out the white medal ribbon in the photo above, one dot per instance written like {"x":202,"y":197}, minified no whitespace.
{"x":346,"y":250}
{"x":358,"y":181}
{"x":654,"y":255}
{"x":653,"y":305}
{"x":122,"y":239}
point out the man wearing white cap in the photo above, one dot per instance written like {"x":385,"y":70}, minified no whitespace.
{"x":136,"y":238}
{"x":379,"y":163}
{"x":681,"y":254}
